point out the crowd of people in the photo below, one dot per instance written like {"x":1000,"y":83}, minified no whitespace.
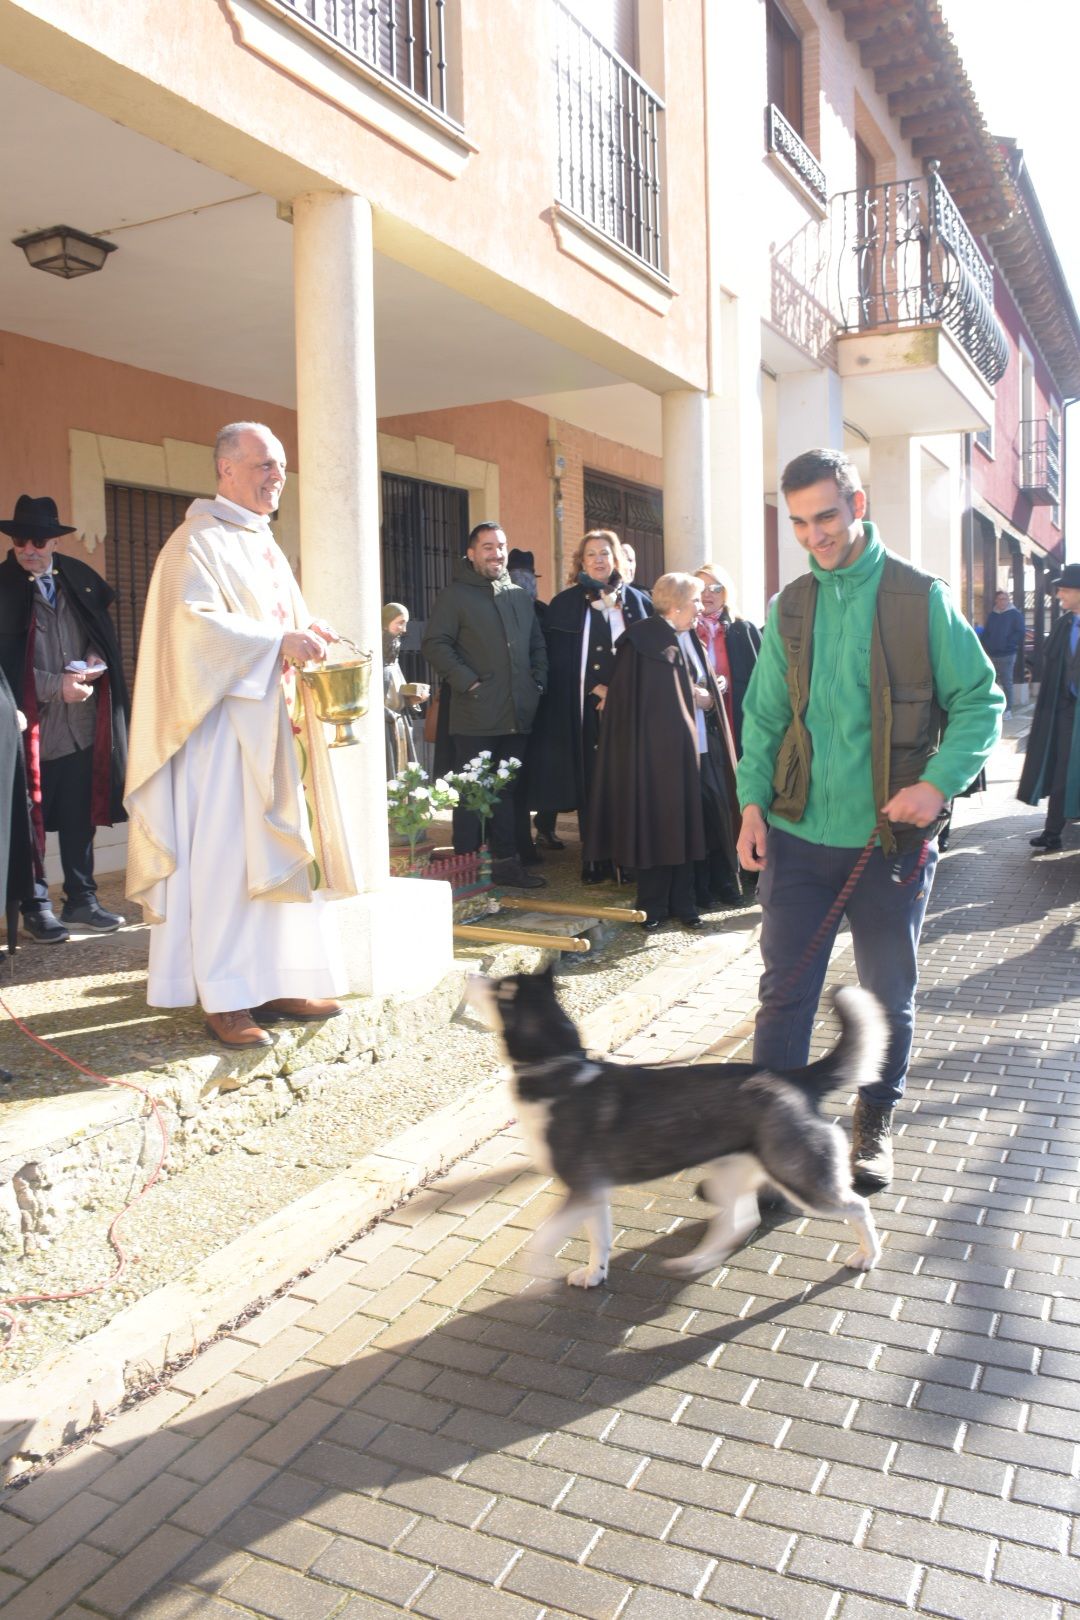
{"x":698,"y":754}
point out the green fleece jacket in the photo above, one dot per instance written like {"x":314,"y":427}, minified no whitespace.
{"x":841,"y":811}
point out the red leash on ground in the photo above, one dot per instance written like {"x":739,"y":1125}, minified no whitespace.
{"x":836,"y":910}
{"x":121,"y":1257}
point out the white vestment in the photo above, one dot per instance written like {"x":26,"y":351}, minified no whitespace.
{"x":235,"y":841}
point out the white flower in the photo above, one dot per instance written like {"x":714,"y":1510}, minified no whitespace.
{"x":515,"y":763}
{"x":485,"y":753}
{"x":421,"y":793}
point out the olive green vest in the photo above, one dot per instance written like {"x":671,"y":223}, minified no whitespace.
{"x":905,"y":720}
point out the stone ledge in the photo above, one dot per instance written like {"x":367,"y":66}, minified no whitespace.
{"x":71,"y":1391}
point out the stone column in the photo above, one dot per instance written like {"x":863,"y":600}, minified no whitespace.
{"x":685,"y":418}
{"x":737,"y":540}
{"x":397,"y":933}
{"x":809,"y":416}
{"x":896,"y":494}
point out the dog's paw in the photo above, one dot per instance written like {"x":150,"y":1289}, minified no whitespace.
{"x":587,"y":1276}
{"x":861,"y":1260}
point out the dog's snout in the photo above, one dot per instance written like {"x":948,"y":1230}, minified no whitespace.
{"x":479,"y":997}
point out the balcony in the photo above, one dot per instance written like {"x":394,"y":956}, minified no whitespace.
{"x":795,"y":155}
{"x":404,"y":41}
{"x":919,"y":346}
{"x":610,"y":143}
{"x":1040,"y":462}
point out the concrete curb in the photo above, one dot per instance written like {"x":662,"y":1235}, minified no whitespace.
{"x":70,"y":1392}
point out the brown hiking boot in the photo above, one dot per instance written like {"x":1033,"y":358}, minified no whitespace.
{"x":299,"y":1009}
{"x":871,"y":1147}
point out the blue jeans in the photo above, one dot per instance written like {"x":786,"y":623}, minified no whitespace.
{"x":799,"y":884}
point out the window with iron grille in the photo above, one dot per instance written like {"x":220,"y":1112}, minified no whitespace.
{"x":424,"y":530}
{"x":405,"y":40}
{"x":635,"y":513}
{"x":138,"y":523}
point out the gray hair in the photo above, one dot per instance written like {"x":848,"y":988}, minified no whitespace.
{"x":227,"y":442}
{"x":673,"y":591}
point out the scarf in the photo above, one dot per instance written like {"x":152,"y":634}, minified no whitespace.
{"x":608,"y":595}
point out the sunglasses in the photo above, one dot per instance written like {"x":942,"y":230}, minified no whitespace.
{"x":38,"y":542}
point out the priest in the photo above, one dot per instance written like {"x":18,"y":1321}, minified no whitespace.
{"x":236,"y":840}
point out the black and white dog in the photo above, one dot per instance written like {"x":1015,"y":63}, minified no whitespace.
{"x":599,"y":1125}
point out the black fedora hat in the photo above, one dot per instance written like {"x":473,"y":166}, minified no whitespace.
{"x":36,"y":518}
{"x":1069,"y":577}
{"x":521,"y":559}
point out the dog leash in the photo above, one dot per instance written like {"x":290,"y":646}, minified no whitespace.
{"x":836,"y":910}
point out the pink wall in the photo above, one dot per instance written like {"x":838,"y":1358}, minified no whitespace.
{"x":997,"y":477}
{"x":516,"y":438}
{"x":47,"y":390}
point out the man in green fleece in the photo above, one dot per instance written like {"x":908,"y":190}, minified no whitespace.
{"x":872,"y":703}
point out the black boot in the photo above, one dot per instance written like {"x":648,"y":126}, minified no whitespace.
{"x":871,"y":1146}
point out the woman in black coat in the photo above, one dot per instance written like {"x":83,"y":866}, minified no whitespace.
{"x":582,"y":626}
{"x":664,"y":800}
{"x":731,"y":642}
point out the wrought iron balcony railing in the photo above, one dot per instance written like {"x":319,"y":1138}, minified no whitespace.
{"x":1040,"y":462}
{"x":405,"y":40}
{"x":609,"y":141}
{"x":783,"y":140}
{"x":902,"y":256}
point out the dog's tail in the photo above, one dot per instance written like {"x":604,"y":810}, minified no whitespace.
{"x":859,"y":1055}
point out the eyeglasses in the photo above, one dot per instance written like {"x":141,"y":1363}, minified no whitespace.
{"x":37,"y":541}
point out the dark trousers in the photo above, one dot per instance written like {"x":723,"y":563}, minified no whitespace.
{"x":508,"y":831}
{"x":1064,"y":717}
{"x":666,"y":891}
{"x":65,"y":803}
{"x":798,"y":886}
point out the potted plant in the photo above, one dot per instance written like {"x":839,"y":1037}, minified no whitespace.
{"x":412,"y":803}
{"x":480,"y":784}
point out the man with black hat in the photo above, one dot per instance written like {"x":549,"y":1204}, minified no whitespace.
{"x":1052,"y":762}
{"x":59,"y":652}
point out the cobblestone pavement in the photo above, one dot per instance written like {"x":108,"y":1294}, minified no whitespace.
{"x":422,"y":1426}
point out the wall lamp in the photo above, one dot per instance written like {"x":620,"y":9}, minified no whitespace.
{"x":64,"y":251}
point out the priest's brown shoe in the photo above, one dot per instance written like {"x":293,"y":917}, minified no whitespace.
{"x":301,"y":1009}
{"x":237,"y":1028}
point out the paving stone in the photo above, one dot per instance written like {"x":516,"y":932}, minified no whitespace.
{"x":204,"y":1511}
{"x":371,"y":1570}
{"x":959,"y":1598}
{"x":126,"y":1526}
{"x":43,"y":1545}
{"x":480,"y":1555}
{"x":140,"y":1570}
{"x":278,"y":1594}
{"x":448,"y":1597}
{"x":582,"y":1592}
{"x":743,"y":1589}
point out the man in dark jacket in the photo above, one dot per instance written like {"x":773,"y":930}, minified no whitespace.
{"x":59,"y":652}
{"x":1002,"y":639}
{"x":1052,"y":760}
{"x":484,"y":642}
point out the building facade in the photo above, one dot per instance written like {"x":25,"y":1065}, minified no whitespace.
{"x":560,"y":263}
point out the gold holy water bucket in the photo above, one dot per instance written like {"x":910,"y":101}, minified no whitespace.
{"x":340,"y":692}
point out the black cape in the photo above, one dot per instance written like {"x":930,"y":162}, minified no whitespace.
{"x":20,"y":862}
{"x":1035,"y":778}
{"x":646,"y":805}
{"x":557,"y":773}
{"x":90,"y":597}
